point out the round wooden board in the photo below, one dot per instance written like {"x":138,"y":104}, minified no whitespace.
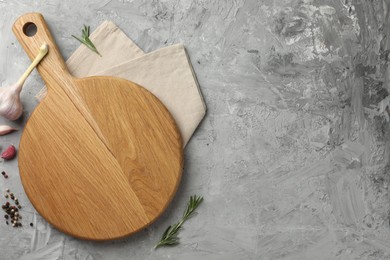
{"x":100,"y":158}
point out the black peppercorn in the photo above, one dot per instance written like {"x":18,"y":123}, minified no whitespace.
{"x":6,"y":222}
{"x":3,"y":172}
{"x":31,"y":224}
{"x":6,"y":176}
{"x":6,"y":216}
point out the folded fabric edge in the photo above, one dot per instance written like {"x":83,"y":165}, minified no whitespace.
{"x":196,"y":79}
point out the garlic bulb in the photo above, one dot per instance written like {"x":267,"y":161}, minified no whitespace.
{"x":10,"y":105}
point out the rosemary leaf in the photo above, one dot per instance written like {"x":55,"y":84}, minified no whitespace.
{"x":169,"y":237}
{"x":85,"y":39}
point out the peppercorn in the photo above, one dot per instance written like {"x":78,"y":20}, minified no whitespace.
{"x":20,"y":224}
{"x":7,"y":190}
{"x":6,"y":222}
{"x":6,"y":176}
{"x":6,"y":196}
{"x":19,"y":207}
{"x":31,"y":224}
{"x":7,"y":204}
{"x":6,"y":216}
{"x":17,"y":202}
{"x":12,"y":210}
{"x":13,"y":225}
{"x":3,"y":172}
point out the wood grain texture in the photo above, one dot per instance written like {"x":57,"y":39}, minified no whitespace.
{"x":100,"y":158}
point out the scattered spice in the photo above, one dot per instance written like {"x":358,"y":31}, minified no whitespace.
{"x":12,"y":211}
{"x":3,"y":172}
{"x":31,"y":224}
{"x":9,"y":153}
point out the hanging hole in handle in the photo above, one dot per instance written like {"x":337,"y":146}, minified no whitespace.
{"x":30,"y":29}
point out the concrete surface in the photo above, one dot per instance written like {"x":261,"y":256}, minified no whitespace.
{"x":293,"y":156}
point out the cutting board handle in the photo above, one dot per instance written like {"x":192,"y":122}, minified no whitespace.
{"x":32,"y":31}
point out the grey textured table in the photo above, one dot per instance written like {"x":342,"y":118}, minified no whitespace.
{"x":292,"y":157}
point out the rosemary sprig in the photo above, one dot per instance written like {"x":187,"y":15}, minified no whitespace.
{"x":85,"y":39}
{"x":169,"y":238}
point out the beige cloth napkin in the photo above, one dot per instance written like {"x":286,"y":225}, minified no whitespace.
{"x":167,"y":73}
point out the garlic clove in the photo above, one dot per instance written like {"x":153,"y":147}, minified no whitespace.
{"x":9,"y":153}
{"x":6,"y":129}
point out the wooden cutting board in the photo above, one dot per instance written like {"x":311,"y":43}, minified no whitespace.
{"x":100,"y":157}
